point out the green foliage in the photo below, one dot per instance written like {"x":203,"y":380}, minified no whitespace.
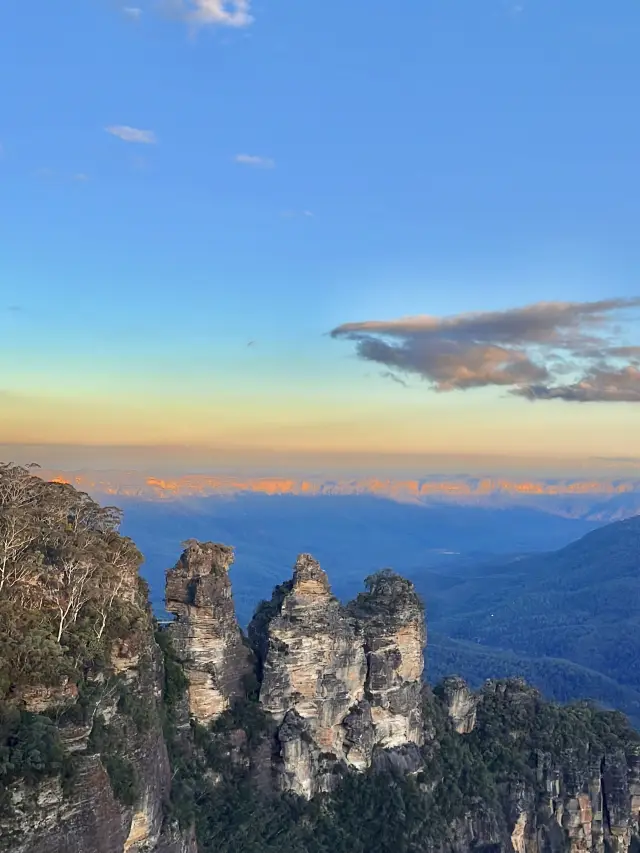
{"x":138,"y":709}
{"x":245,"y":714}
{"x":175,"y":681}
{"x":62,"y":567}
{"x":186,"y":775}
{"x":109,"y":742}
{"x":568,"y":621}
{"x":386,"y":592}
{"x":30,"y":750}
{"x":463,"y":775}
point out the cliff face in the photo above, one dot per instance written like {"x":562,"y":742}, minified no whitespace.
{"x":340,"y":682}
{"x":206,"y":633}
{"x":584,"y":791}
{"x":313,"y":674}
{"x":391,"y":618}
{"x":461,"y":704}
{"x":110,"y":745}
{"x":83,"y":760}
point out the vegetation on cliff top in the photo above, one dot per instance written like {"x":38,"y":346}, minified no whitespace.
{"x":63,"y":571}
{"x":69,"y":589}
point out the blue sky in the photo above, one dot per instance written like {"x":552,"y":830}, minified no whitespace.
{"x":325,"y":163}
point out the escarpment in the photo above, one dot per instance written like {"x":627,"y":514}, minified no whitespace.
{"x":83,"y":759}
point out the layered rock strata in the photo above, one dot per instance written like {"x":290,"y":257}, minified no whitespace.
{"x":391,"y":618}
{"x":340,"y":682}
{"x":588,"y":803}
{"x":84,"y":813}
{"x":461,"y":704}
{"x":205,"y":633}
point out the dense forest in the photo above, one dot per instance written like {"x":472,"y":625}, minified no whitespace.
{"x":567,"y":620}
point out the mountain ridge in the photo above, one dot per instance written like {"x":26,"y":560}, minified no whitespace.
{"x":589,"y":499}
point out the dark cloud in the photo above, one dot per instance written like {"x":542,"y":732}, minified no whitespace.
{"x":524,"y":349}
{"x":621,"y":386}
{"x":388,"y":374}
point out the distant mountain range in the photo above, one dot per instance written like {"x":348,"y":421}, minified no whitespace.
{"x":601,"y":500}
{"x":568,"y":620}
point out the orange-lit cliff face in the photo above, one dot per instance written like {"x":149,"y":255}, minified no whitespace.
{"x":567,"y":497}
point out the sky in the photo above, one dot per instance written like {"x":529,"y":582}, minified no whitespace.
{"x":338,"y":227}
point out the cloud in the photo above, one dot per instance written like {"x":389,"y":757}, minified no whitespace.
{"x":221,"y":13}
{"x":388,"y":374}
{"x":133,"y":12}
{"x":296,"y":214}
{"x":256,"y":162}
{"x":132,"y":134}
{"x":525,"y":350}
{"x":613,"y":386}
{"x":81,"y":177}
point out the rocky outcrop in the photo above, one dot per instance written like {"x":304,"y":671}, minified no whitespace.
{"x":206,"y":633}
{"x":391,"y":618}
{"x":340,"y":682}
{"x":582,"y":796}
{"x":313,"y":670}
{"x":461,"y":704}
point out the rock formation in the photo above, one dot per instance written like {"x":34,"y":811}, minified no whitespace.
{"x":461,"y":704}
{"x":206,"y":633}
{"x":340,"y":682}
{"x":579,"y":800}
{"x":391,"y":617}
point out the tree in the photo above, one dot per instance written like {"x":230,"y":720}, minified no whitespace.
{"x":71,"y":581}
{"x":18,"y":523}
{"x":122,"y":557}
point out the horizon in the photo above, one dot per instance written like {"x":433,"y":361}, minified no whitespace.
{"x":352,"y":250}
{"x":187,"y":461}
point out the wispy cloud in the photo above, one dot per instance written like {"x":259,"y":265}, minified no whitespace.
{"x":388,"y":374}
{"x":221,"y":13}
{"x":549,"y":350}
{"x":133,"y":12}
{"x":295,"y":214}
{"x":132,"y":134}
{"x":255,"y":161}
{"x":46,"y":174}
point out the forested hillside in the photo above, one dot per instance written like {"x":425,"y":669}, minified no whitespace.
{"x":569,"y":620}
